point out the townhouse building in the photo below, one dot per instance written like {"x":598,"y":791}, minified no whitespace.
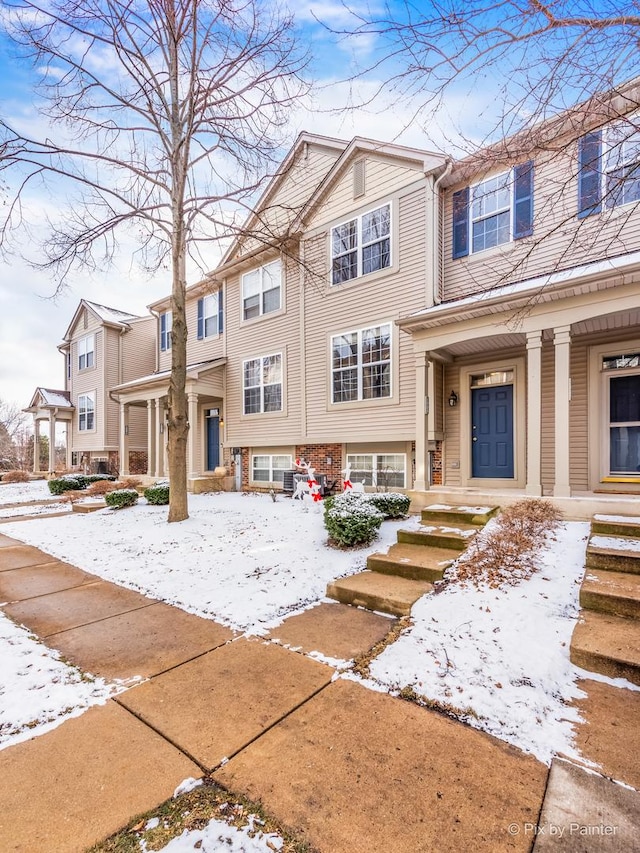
{"x":434,"y":325}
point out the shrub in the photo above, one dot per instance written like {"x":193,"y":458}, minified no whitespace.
{"x":101,"y":487}
{"x":130,"y":483}
{"x":66,"y":483}
{"x":15,"y":477}
{"x":351,"y":519}
{"x":120,"y":498}
{"x":390,"y":504}
{"x":157,"y":495}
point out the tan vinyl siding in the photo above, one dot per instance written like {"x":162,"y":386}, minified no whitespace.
{"x":452,"y":429}
{"x":111,"y":373}
{"x":89,"y":380}
{"x":579,"y":418}
{"x":560,"y":240}
{"x":138,"y":350}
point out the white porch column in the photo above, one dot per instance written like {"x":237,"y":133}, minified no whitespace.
{"x":36,"y":445}
{"x":421,"y":483}
{"x":52,"y":442}
{"x":192,"y":438}
{"x":151,"y":438}
{"x":562,"y":341}
{"x":123,"y":448}
{"x":160,"y":438}
{"x":534,"y":413}
{"x":68,"y":426}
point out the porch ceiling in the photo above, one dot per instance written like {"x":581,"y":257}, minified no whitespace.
{"x":488,"y":344}
{"x":608,"y":323}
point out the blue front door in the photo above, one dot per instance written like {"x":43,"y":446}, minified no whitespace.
{"x":213,"y":442}
{"x":492,"y":432}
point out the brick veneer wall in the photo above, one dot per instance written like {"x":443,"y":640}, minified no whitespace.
{"x":138,"y":463}
{"x":436,"y":464}
{"x":317,"y":455}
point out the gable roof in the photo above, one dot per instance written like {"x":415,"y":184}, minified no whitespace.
{"x":48,"y":398}
{"x":108,"y":316}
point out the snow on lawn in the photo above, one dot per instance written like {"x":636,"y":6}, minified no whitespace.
{"x":503,"y":653}
{"x":37,"y":509}
{"x":240,"y":559}
{"x":38,"y":691}
{"x":35,"y":490}
{"x":219,"y":837}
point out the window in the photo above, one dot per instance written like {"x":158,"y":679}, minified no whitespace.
{"x":361,"y":364}
{"x":494,"y":211}
{"x":86,"y":412}
{"x":86,"y":352}
{"x":270,"y":469}
{"x":609,"y":167}
{"x":623,"y":375}
{"x":262,"y":382}
{"x":362,"y":245}
{"x":382,"y":470}
{"x":166,"y":324}
{"x":261,"y":290}
{"x":68,"y":360}
{"x":210,"y":315}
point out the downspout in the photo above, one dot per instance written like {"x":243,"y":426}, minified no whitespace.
{"x":438,"y":255}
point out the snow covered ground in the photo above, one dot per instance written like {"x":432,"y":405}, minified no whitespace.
{"x":499,"y":655}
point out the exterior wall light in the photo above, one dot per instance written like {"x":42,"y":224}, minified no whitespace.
{"x":453,"y":399}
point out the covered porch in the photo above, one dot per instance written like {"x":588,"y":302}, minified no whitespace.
{"x":205,"y":396}
{"x":53,"y":407}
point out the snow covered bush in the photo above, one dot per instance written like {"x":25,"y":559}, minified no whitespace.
{"x":390,"y":504}
{"x":157,"y":495}
{"x":15,"y":477}
{"x":351,"y":519}
{"x":66,"y":483}
{"x":121,"y":498}
{"x":506,"y":553}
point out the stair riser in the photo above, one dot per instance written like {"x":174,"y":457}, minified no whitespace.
{"x":593,"y":662}
{"x":370,"y":602}
{"x":615,"y":605}
{"x":613,"y":562}
{"x":404,"y":570}
{"x":444,"y":517}
{"x":610,"y":528}
{"x":454,"y":543}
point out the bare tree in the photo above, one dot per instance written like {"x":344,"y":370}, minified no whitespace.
{"x":160,"y":117}
{"x":12,"y":430}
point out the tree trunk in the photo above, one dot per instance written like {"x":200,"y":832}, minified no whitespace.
{"x":178,"y":424}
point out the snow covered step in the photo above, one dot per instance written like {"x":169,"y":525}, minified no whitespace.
{"x":607,"y":644}
{"x":458,"y":537}
{"x":611,"y":592}
{"x":415,"y":562}
{"x":616,"y":553}
{"x":616,"y":525}
{"x":453,"y":515}
{"x":375,"y":591}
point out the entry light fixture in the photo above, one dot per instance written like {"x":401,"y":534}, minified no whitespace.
{"x":221,"y":421}
{"x":453,"y":399}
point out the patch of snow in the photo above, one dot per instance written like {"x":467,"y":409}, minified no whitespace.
{"x":17,"y":492}
{"x":503,"y":654}
{"x":218,"y":836}
{"x":440,"y":528}
{"x":34,"y":509}
{"x":38,"y":690}
{"x":476,"y":510}
{"x":336,"y":663}
{"x":615,"y":543}
{"x":240,"y":559}
{"x":631,"y":519}
{"x":152,"y":823}
{"x":187,"y":785}
{"x":605,"y":679}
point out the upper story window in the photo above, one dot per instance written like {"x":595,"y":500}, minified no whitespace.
{"x":262,"y":384}
{"x":166,"y":324}
{"x":86,"y":412}
{"x":210,"y":315}
{"x":86,"y":352}
{"x":608,"y":167}
{"x":361,"y":245}
{"x":494,"y":211}
{"x":68,"y":361}
{"x":361,"y":364}
{"x":261,"y":290}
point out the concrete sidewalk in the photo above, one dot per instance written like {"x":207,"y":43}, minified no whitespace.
{"x":353,"y":770}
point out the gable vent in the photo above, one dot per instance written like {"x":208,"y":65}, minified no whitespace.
{"x":85,"y":320}
{"x":359,"y":178}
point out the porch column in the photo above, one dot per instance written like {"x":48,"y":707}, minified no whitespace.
{"x":534,"y":413}
{"x":52,"y":442}
{"x":123,"y":448}
{"x":421,"y":483}
{"x":192,"y":438}
{"x":36,"y":445}
{"x":562,"y":341}
{"x":151,"y":438}
{"x":67,"y":441}
{"x":160,"y":438}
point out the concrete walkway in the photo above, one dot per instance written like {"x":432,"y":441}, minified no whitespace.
{"x":353,"y":770}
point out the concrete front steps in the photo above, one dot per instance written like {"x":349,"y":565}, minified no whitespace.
{"x":394,"y":581}
{"x":607,"y":638}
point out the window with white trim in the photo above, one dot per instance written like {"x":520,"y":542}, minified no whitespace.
{"x":86,"y":412}
{"x":262,"y":384}
{"x":380,"y":470}
{"x":261,"y":290}
{"x":491,"y":212}
{"x":361,"y":245}
{"x":267,"y":468}
{"x":622,"y":373}
{"x":622,"y":164}
{"x":361,"y":364}
{"x":86,"y":352}
{"x":166,"y":324}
